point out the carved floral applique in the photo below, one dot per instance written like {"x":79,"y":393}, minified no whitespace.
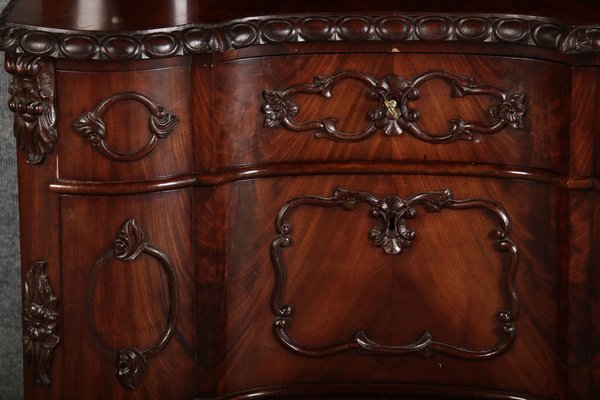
{"x":40,"y":322}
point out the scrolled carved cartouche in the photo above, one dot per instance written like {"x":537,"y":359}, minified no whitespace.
{"x":393,"y":114}
{"x":392,"y":235}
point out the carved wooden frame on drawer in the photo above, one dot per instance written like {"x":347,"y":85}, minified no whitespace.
{"x":131,"y":362}
{"x":393,"y":93}
{"x":392,"y":234}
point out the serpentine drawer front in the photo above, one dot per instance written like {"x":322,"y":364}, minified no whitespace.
{"x":242,"y":201}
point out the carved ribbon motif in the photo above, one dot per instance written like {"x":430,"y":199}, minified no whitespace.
{"x":91,"y":126}
{"x":392,"y":114}
{"x":40,"y":322}
{"x":131,"y":362}
{"x":32,"y":102}
{"x":392,"y":235}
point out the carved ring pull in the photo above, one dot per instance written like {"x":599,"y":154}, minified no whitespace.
{"x":392,"y":235}
{"x":131,"y":362}
{"x":392,"y":113}
{"x":91,"y":126}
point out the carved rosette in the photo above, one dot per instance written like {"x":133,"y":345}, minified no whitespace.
{"x":392,"y":115}
{"x":392,"y":235}
{"x":40,"y":322}
{"x":131,"y":362}
{"x":91,"y":126}
{"x":32,"y":102}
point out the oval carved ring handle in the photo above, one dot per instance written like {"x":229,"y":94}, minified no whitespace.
{"x":131,"y":362}
{"x":91,"y":126}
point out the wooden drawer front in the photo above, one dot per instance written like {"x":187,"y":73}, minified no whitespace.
{"x":387,"y":107}
{"x":321,"y":298}
{"x":127,"y":306}
{"x":124,"y":125}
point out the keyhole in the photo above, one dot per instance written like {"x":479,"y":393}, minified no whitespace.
{"x":392,"y":224}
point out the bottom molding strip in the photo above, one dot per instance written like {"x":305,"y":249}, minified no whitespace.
{"x":388,"y":391}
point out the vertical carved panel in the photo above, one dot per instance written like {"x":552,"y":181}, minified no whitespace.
{"x":32,"y":102}
{"x":40,"y":322}
{"x":131,"y":362}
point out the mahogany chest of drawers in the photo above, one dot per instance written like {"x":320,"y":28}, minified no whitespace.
{"x":304,"y":200}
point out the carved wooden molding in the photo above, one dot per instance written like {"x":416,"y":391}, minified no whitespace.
{"x":40,"y":322}
{"x":392,"y":237}
{"x":32,"y":102}
{"x":91,"y":126}
{"x":392,"y":114}
{"x":131,"y":362}
{"x":207,"y":38}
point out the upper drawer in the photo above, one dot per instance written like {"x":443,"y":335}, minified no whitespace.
{"x":129,"y":125}
{"x":388,"y":107}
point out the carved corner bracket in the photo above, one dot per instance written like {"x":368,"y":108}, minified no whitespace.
{"x":40,"y":322}
{"x":392,"y":234}
{"x":91,"y":126}
{"x":392,"y":114}
{"x":32,"y":102}
{"x":131,"y":362}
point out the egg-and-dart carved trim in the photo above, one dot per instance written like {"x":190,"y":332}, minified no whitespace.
{"x":433,"y":201}
{"x":40,"y":322}
{"x":392,"y":114}
{"x":32,"y":102}
{"x":131,"y":362}
{"x":91,"y":126}
{"x":207,"y":38}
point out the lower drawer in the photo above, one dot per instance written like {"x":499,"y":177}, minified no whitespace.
{"x":438,"y":282}
{"x":127,"y":303}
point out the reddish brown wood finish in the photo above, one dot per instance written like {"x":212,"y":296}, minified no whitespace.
{"x":241,"y":138}
{"x":126,"y":124}
{"x":207,"y":192}
{"x":129,"y":300}
{"x":116,"y":15}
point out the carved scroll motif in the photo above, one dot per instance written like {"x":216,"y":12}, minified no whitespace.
{"x":393,"y":115}
{"x":131,"y":362}
{"x":91,"y":126}
{"x":40,"y":322}
{"x":392,"y":234}
{"x":32,"y":102}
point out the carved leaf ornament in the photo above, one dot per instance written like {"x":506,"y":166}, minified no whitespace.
{"x":131,"y":362}
{"x":32,"y":102}
{"x":393,"y":115}
{"x":392,"y":235}
{"x":40,"y":322}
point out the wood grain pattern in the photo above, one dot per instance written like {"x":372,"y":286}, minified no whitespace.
{"x":130,"y":304}
{"x":208,"y":199}
{"x":127,"y":122}
{"x":332,"y":288}
{"x":242,"y":140}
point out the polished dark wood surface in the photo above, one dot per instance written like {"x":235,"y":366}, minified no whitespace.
{"x":343,"y":216}
{"x":115,"y":15}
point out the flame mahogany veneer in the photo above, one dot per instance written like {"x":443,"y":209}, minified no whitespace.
{"x":304,"y":200}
